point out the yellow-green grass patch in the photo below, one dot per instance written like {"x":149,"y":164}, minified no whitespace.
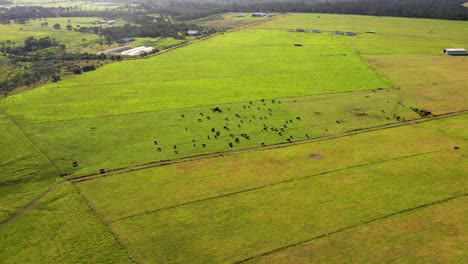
{"x":24,"y":171}
{"x":392,"y":35}
{"x":188,"y":181}
{"x":256,"y":64}
{"x":60,"y":229}
{"x":129,"y":139}
{"x":436,"y":234}
{"x":435,"y":83}
{"x":230,"y":20}
{"x":236,"y":227}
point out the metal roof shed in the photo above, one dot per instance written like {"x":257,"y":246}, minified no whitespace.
{"x":459,"y":51}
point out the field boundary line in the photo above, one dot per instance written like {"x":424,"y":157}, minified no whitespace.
{"x":221,"y":154}
{"x":99,"y":218}
{"x":259,"y":148}
{"x":277,"y":183}
{"x":304,"y":242}
{"x":35,"y":146}
{"x":33,"y":203}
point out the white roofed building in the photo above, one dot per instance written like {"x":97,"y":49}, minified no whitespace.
{"x":458,"y":51}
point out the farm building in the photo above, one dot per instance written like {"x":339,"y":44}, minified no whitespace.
{"x":316,"y":31}
{"x":371,"y":32}
{"x":193,"y":33}
{"x":459,"y":51}
{"x":300,"y":30}
{"x":107,"y":22}
{"x":298,"y":44}
{"x":338,"y":33}
{"x":351,"y":34}
{"x":115,"y":50}
{"x":259,"y":15}
{"x":137,"y":51}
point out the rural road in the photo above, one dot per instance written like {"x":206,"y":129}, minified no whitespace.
{"x":34,"y":202}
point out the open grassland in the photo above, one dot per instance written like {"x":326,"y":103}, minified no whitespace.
{"x":435,"y":83}
{"x":24,"y":171}
{"x":393,"y":35}
{"x":256,"y":64}
{"x":19,"y":32}
{"x":61,"y":229}
{"x":230,"y":20}
{"x":146,"y":137}
{"x":246,"y":204}
{"x":84,"y":5}
{"x":240,"y":90}
{"x":430,"y":235}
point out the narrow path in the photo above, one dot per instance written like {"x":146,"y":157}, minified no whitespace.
{"x":34,"y":202}
{"x":304,"y":242}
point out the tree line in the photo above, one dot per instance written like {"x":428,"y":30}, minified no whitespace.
{"x":440,"y":9}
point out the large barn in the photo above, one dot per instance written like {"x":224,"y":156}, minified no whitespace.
{"x":459,"y":51}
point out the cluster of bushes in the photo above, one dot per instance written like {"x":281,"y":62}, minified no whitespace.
{"x":34,"y":63}
{"x":161,"y":29}
{"x":86,"y":68}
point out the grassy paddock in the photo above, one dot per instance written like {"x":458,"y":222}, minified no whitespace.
{"x":61,"y":229}
{"x":239,"y":226}
{"x":230,"y":20}
{"x":256,"y":64}
{"x":435,"y":83}
{"x":129,"y":139}
{"x":19,"y":32}
{"x":233,"y":227}
{"x":393,"y":35}
{"x":216,"y":176}
{"x":429,"y":235}
{"x":24,"y":171}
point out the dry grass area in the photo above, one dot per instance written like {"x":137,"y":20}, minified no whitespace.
{"x":435,"y":83}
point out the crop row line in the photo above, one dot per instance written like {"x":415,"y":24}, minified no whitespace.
{"x":277,"y":183}
{"x":304,"y":242}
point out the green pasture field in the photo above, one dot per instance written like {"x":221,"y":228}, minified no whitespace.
{"x":229,"y":20}
{"x":19,"y":32}
{"x":61,"y":229}
{"x":230,"y":208}
{"x":24,"y":170}
{"x":393,"y":36}
{"x":430,"y":235}
{"x":85,"y":5}
{"x":435,"y":83}
{"x":129,"y":139}
{"x":256,"y":64}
